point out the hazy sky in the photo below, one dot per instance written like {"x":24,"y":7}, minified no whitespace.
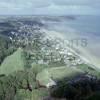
{"x":49,"y":7}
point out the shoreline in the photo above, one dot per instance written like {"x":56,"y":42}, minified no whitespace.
{"x":55,"y":34}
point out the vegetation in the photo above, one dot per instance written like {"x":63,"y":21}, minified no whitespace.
{"x":79,"y":88}
{"x":57,"y":73}
{"x":89,"y":70}
{"x":30,"y":60}
{"x":36,"y":94}
{"x":95,"y":96}
{"x":13,"y":63}
{"x":6,"y":48}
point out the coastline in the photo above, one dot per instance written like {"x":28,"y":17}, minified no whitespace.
{"x":77,"y":51}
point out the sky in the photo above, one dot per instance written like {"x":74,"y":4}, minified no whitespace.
{"x":49,"y":7}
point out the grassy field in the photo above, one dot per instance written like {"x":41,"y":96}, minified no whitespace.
{"x":57,"y":73}
{"x":38,"y":67}
{"x":13,"y":63}
{"x":89,"y":70}
{"x":36,"y":94}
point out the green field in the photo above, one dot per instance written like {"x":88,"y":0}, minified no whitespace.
{"x":12,"y":63}
{"x":89,"y":70}
{"x":57,"y":73}
{"x":38,"y":67}
{"x":36,"y":94}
